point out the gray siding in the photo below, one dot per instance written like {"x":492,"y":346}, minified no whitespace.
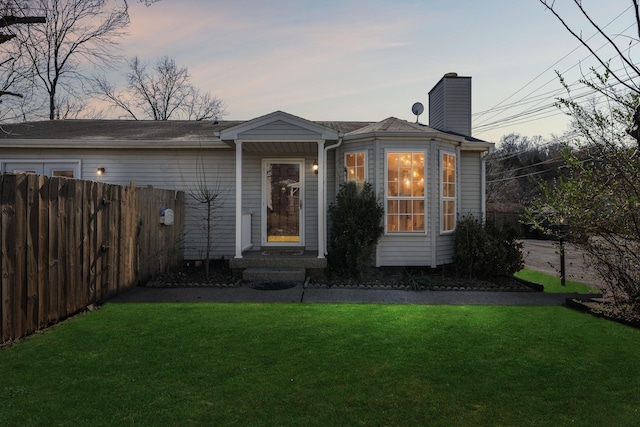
{"x":166,"y":169}
{"x":450,"y":105}
{"x":252,"y":195}
{"x":445,"y":247}
{"x":470,"y":184}
{"x":279,"y":131}
{"x":397,"y":251}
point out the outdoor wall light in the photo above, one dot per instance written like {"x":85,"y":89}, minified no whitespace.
{"x":315,"y":167}
{"x":100,"y":171}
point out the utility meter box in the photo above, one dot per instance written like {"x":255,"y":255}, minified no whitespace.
{"x":167,"y":217}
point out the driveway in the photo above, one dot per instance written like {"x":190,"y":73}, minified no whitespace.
{"x":544,"y":256}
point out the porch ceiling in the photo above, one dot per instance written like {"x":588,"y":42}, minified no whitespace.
{"x":280,"y":147}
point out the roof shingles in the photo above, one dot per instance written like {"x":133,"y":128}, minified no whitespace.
{"x":176,"y":130}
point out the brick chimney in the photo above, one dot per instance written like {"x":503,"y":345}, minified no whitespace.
{"x":450,"y":105}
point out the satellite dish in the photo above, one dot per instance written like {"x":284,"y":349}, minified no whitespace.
{"x":417,"y":109}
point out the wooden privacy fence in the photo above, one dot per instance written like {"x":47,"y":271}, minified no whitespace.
{"x":67,"y":244}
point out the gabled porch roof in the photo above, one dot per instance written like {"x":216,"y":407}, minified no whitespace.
{"x":278,"y":132}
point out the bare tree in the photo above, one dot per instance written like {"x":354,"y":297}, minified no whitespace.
{"x":164,"y":93}
{"x":211,"y":199}
{"x":76,"y":31}
{"x":12,"y":72}
{"x":628,"y":75}
{"x":598,"y":196}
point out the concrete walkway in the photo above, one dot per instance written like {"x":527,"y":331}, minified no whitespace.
{"x":298,"y":294}
{"x":538,"y":255}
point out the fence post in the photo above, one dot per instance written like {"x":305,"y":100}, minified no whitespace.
{"x":8,"y":201}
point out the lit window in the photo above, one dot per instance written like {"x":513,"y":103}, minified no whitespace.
{"x":355,"y":166}
{"x":405,"y":191}
{"x":448,"y":193}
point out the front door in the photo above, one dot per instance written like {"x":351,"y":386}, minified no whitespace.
{"x":283,"y":190}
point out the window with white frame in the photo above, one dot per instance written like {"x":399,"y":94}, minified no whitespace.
{"x":355,"y":165}
{"x":448,"y":191}
{"x":49,"y":167}
{"x":405,"y":196}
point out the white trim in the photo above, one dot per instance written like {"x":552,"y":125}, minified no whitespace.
{"x":323,"y":166}
{"x":442,"y":153}
{"x":386,"y":191}
{"x":378,"y":187}
{"x":322,"y":237}
{"x":263,"y":204}
{"x":433,"y":198}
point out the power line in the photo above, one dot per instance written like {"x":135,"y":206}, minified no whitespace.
{"x":539,"y":113}
{"x":551,"y":66}
{"x":535,"y":112}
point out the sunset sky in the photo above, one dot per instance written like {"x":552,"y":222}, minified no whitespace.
{"x":369,"y":60}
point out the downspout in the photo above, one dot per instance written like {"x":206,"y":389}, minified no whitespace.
{"x":324,"y":195}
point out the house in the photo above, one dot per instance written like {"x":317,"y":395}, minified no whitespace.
{"x":277,"y":174}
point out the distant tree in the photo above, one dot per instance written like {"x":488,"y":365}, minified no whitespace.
{"x":163,"y":94}
{"x":515,"y":168}
{"x":76,"y":31}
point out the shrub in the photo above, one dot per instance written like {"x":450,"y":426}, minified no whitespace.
{"x":356,"y":228}
{"x":486,"y":252}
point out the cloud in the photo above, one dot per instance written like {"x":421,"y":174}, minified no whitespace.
{"x":259,"y":57}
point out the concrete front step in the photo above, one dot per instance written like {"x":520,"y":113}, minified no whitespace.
{"x":258,"y":261}
{"x":261,"y":274}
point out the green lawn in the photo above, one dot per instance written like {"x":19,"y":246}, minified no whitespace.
{"x":552,"y":283}
{"x":324,"y":365}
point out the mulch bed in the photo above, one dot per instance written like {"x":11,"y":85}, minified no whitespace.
{"x":422,"y":280}
{"x":620,"y":313}
{"x":377,"y":278}
{"x":393,"y":278}
{"x":194,"y":276}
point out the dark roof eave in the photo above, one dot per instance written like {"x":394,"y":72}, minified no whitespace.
{"x":110,"y":144}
